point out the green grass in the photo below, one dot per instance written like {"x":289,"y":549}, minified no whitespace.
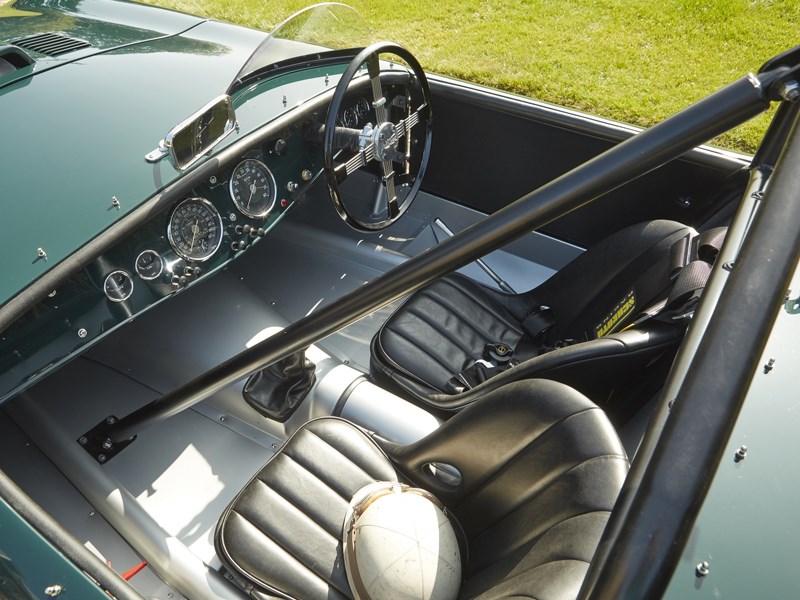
{"x":636,"y":61}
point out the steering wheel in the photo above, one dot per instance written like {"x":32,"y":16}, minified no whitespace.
{"x":398,"y":141}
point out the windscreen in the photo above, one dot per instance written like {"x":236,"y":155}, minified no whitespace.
{"x":312,"y":32}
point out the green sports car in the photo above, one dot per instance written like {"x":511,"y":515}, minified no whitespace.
{"x":284,"y":316}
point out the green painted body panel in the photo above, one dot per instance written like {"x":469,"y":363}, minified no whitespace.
{"x":99,"y":116}
{"x":747,"y":529}
{"x":105,"y":25}
{"x":29,"y":564}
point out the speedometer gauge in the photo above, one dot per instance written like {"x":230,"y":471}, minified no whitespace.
{"x":195,"y":229}
{"x":253,"y":188}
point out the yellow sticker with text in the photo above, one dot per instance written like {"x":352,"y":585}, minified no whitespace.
{"x":617,"y":316}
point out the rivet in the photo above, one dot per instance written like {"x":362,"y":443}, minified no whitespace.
{"x":768,"y":367}
{"x":82,"y":333}
{"x":702,"y":569}
{"x":741,"y":454}
{"x":728,"y":266}
{"x":222,"y":419}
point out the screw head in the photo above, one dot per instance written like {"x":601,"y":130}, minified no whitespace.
{"x":101,"y":458}
{"x":82,"y":333}
{"x":702,"y":569}
{"x":107,"y":444}
{"x":741,"y":454}
{"x":111,"y":420}
{"x":83,"y":440}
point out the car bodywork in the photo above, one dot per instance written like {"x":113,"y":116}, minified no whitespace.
{"x":92,"y":204}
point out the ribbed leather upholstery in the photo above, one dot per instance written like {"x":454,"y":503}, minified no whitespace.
{"x":541,"y":468}
{"x":443,"y":328}
{"x":283,"y":532}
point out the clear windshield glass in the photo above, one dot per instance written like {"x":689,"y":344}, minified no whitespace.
{"x":316,"y":29}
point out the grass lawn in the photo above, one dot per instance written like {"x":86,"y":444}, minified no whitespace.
{"x":636,"y":61}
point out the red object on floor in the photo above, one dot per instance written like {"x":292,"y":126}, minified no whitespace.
{"x":128,"y":575}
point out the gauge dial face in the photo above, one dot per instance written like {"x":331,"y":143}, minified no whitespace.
{"x":253,"y":188}
{"x":149,"y":265}
{"x":195,"y":229}
{"x":362,"y":108}
{"x":118,"y":286}
{"x":350,"y":117}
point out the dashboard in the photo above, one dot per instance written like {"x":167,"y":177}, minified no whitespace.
{"x":199,"y":232}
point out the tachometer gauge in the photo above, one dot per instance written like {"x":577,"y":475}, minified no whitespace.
{"x":149,"y":265}
{"x":253,"y":188}
{"x":195,"y":229}
{"x":118,"y":286}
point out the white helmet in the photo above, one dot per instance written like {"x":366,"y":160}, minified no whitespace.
{"x":400,"y":544}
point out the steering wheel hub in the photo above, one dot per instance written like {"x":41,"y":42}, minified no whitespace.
{"x":385,"y":140}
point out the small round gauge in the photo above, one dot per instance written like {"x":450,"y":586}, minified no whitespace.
{"x":362,"y":108}
{"x":350,"y":117}
{"x":149,"y":265}
{"x":118,"y":286}
{"x":195,"y":229}
{"x":253,"y":188}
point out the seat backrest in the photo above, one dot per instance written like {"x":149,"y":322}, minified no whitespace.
{"x":540,"y":467}
{"x":618,"y":277}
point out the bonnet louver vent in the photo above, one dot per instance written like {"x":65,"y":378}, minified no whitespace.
{"x":51,"y":44}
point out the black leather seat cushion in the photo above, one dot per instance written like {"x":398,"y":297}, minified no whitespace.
{"x":540,"y":468}
{"x":443,"y":328}
{"x":283,"y":532}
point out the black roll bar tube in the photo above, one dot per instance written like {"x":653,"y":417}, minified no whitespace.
{"x":636,"y":156}
{"x":647,"y":535}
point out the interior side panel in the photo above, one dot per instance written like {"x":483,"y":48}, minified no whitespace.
{"x":476,"y":163}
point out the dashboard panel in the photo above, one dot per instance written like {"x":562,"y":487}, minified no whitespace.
{"x":198,"y":233}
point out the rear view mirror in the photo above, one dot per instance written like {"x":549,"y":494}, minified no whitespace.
{"x":198,"y":134}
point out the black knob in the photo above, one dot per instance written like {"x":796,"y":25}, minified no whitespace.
{"x":280,"y":147}
{"x":238,"y":229}
{"x":246,"y":229}
{"x":197,"y":272}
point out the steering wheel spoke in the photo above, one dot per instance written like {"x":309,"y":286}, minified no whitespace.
{"x":402,"y":160}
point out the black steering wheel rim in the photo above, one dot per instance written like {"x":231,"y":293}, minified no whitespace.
{"x":334,"y":175}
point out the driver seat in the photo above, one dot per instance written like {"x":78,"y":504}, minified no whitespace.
{"x":534,"y":471}
{"x":444,"y":346}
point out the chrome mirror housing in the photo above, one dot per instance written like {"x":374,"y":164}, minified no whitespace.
{"x":188,"y":141}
